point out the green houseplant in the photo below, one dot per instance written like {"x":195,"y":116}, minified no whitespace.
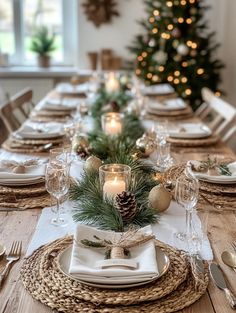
{"x":43,"y":44}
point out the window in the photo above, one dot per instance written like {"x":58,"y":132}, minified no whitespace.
{"x":20,"y":18}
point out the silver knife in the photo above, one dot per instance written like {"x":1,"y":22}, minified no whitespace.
{"x":219,"y":280}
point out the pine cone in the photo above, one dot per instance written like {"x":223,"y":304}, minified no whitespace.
{"x":126,"y":205}
{"x":84,"y":153}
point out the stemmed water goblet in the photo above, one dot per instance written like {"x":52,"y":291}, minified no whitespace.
{"x":186,"y":194}
{"x":57,"y":184}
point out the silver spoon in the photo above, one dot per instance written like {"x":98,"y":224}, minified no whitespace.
{"x":229,"y":259}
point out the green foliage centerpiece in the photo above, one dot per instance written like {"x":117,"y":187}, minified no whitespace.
{"x":130,"y":207}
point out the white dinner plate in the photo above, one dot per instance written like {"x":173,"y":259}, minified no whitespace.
{"x":64,"y":259}
{"x":25,"y":182}
{"x":191,"y":130}
{"x":159,"y":89}
{"x":168,"y":105}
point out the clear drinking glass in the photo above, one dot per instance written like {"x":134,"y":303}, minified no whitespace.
{"x":186,"y":194}
{"x":57,"y":184}
{"x":164,"y":159}
{"x":58,"y":155}
{"x":162,"y":132}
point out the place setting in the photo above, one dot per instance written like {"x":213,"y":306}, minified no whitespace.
{"x":175,"y":107}
{"x":217,"y":177}
{"x":15,"y":179}
{"x":191,"y":135}
{"x":35,"y":138}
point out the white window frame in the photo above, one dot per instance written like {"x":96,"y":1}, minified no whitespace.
{"x":69,"y":33}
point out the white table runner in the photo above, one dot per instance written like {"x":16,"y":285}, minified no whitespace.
{"x":170,"y":223}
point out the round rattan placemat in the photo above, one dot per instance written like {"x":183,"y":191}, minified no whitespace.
{"x":173,"y":113}
{"x":212,"y":140}
{"x":31,"y":149}
{"x":39,"y":202}
{"x":218,"y":189}
{"x":35,"y":189}
{"x":46,"y":283}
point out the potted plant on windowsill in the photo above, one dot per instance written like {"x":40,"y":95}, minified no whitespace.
{"x":43,"y":44}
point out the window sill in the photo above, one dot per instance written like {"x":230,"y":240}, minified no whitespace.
{"x":37,"y":72}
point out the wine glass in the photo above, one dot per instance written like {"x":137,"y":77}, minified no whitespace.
{"x":164,"y":159}
{"x":162,"y":132}
{"x":57,"y":184}
{"x":186,"y":194}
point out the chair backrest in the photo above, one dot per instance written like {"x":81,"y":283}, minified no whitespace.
{"x":16,"y":110}
{"x":204,"y":109}
{"x":226,"y":113}
{"x":207,"y":95}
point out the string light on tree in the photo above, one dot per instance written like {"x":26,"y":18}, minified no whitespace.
{"x":173,"y":48}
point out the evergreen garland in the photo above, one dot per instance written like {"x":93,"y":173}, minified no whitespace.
{"x":120,"y":98}
{"x":91,"y":207}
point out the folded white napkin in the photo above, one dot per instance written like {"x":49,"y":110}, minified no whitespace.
{"x":168,"y":105}
{"x":83,"y":259}
{"x":44,"y":132}
{"x":159,"y":89}
{"x":31,"y":174}
{"x":220,"y":179}
{"x":190,"y":130}
{"x":59,"y":104}
{"x":68,"y":88}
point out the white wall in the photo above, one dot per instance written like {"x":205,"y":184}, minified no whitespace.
{"x":116,"y":35}
{"x":122,"y":30}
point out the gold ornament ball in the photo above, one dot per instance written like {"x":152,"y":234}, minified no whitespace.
{"x":81,"y":141}
{"x":92,"y":163}
{"x":159,"y":198}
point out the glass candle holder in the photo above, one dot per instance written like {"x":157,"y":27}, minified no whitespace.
{"x":112,"y":83}
{"x":114,"y":179}
{"x":112,"y":123}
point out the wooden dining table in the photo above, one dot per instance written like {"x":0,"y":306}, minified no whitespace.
{"x":21,"y":225}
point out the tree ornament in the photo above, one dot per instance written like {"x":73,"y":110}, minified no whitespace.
{"x":100,"y":11}
{"x":152,"y":43}
{"x":193,"y":11}
{"x":177,"y":58}
{"x":175,"y":43}
{"x":126,"y":205}
{"x":161,"y":57}
{"x":193,"y":53}
{"x":182,"y":49}
{"x":176,"y":33}
{"x":92,"y":163}
{"x":159,"y":198}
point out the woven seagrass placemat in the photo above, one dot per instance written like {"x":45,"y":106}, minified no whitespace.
{"x":216,"y":194}
{"x":166,"y":113}
{"x":211,"y":140}
{"x":29,"y":148}
{"x":43,"y":279}
{"x":25,"y":197}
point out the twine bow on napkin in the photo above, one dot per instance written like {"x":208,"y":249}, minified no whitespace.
{"x":118,"y":248}
{"x":18,"y":167}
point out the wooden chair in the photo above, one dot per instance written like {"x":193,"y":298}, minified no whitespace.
{"x":204,"y":109}
{"x":16,"y":110}
{"x":225,"y":115}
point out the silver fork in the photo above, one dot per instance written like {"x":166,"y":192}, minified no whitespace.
{"x":13,"y":256}
{"x":233,"y":245}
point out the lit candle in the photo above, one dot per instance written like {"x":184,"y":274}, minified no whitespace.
{"x":112,"y":83}
{"x":113,"y":187}
{"x":113,"y":127}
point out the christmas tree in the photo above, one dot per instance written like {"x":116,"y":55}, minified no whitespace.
{"x":178,"y":48}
